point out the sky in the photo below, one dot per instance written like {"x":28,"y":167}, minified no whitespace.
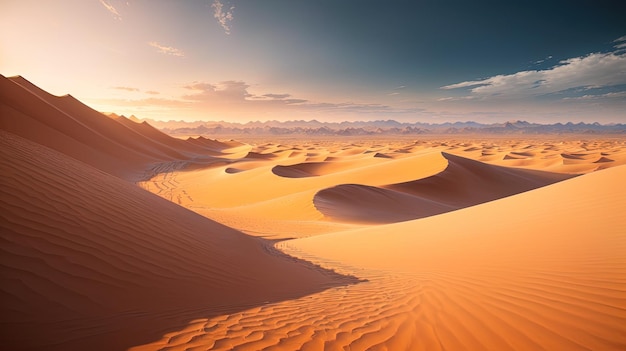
{"x":332,"y":60}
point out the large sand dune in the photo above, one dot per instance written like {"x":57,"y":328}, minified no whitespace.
{"x":509,"y":243}
{"x":117,"y":146}
{"x":89,"y":259}
{"x":463,"y":183}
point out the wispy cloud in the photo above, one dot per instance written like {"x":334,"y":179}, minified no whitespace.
{"x":111,"y":9}
{"x":236,"y":93}
{"x":225,"y":91}
{"x":166,"y":49}
{"x":152,"y":92}
{"x":125,"y":88}
{"x":621,"y":43}
{"x":237,"y":99}
{"x":616,"y":95}
{"x":223,"y":16}
{"x":277,"y":96}
{"x":622,"y":38}
{"x":543,"y":60}
{"x":594,"y":70}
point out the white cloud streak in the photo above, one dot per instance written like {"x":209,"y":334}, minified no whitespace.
{"x":223,"y":16}
{"x":125,"y":88}
{"x":594,"y":70}
{"x":616,"y":95}
{"x":166,"y":49}
{"x":235,"y":93}
{"x":111,"y":9}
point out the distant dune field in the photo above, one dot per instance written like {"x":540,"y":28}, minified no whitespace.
{"x":117,"y":236}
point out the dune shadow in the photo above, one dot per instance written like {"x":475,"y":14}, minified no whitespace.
{"x":463,"y":183}
{"x":93,"y":262}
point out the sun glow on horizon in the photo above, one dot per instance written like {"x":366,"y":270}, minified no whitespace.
{"x":244,"y":61}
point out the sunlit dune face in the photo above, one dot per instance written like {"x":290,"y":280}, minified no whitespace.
{"x":503,"y":274}
{"x":321,"y":175}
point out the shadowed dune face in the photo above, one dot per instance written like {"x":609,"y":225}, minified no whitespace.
{"x":315,"y":169}
{"x":538,"y":270}
{"x":92,"y":262}
{"x":463,"y":183}
{"x":117,"y":146}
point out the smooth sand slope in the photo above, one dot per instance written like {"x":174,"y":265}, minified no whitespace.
{"x":447,"y":243}
{"x":542,"y":270}
{"x":92,"y":262}
{"x":463,"y":183}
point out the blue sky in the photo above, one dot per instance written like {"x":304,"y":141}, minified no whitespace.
{"x":429,"y":61}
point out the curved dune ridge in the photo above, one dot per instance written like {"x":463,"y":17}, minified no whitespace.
{"x":117,"y":146}
{"x":315,"y":169}
{"x":485,"y":278}
{"x":528,"y":259}
{"x":463,"y":183}
{"x":92,"y":262}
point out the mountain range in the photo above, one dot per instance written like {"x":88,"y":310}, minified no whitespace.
{"x":380,"y":127}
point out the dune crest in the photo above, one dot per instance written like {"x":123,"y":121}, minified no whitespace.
{"x":462,"y":183}
{"x":116,"y":236}
{"x":90,"y":261}
{"x":117,"y":146}
{"x":485,"y":278}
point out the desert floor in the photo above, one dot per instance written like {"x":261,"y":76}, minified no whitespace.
{"x":116,"y":236}
{"x":470,"y":242}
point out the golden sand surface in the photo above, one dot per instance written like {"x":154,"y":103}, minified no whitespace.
{"x":487,"y":243}
{"x":116,"y":236}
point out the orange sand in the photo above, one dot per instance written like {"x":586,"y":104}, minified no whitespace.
{"x":476,"y":243}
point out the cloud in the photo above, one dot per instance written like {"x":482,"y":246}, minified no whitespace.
{"x":456,"y":98}
{"x":226,"y":91}
{"x":152,"y":92}
{"x":234,"y":99}
{"x":111,"y":9}
{"x":621,"y":43}
{"x":543,"y":60}
{"x":614,"y":95}
{"x":126,"y":88}
{"x":166,"y":49}
{"x":277,"y":96}
{"x":235,"y":94}
{"x":223,"y":16}
{"x":594,"y":70}
{"x":149,"y":103}
{"x":400,"y":87}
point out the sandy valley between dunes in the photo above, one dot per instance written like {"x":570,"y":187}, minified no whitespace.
{"x":116,"y":236}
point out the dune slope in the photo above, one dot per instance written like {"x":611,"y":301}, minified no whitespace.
{"x":541,"y":270}
{"x":462,"y":183}
{"x":117,"y":146}
{"x":89,"y":261}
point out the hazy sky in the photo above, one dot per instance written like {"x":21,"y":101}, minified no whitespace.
{"x":430,"y":61}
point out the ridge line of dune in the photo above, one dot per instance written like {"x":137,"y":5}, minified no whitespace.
{"x":462,"y":183}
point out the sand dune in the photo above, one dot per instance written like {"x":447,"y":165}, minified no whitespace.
{"x":519,"y":244}
{"x":463,"y":183}
{"x":117,"y":146}
{"x":92,"y":262}
{"x":540,"y":270}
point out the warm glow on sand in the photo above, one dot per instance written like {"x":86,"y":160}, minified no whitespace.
{"x":117,"y":236}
